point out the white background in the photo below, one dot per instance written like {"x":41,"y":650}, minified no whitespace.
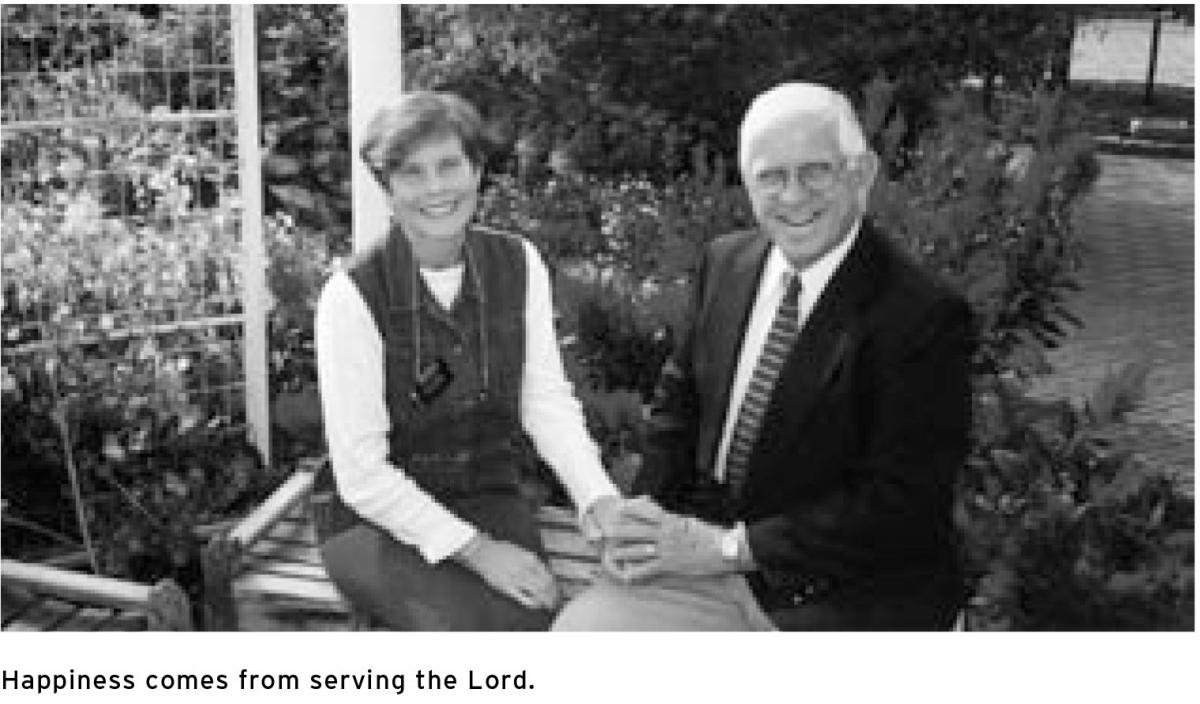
{"x":974,"y":668}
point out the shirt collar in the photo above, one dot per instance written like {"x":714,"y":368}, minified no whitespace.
{"x":815,"y":277}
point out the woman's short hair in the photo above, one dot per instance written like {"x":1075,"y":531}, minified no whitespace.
{"x":398,"y":127}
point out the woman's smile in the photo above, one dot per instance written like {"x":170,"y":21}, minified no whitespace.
{"x":441,"y":208}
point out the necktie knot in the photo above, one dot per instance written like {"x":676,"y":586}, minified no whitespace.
{"x":792,"y":288}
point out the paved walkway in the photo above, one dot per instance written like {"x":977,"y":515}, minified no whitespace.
{"x":1138,"y":296}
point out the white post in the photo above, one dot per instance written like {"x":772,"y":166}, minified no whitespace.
{"x":373,"y":34}
{"x":255,"y":295}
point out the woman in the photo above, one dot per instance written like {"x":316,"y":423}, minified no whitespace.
{"x":435,"y":349}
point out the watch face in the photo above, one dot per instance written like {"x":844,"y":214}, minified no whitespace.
{"x":729,"y":545}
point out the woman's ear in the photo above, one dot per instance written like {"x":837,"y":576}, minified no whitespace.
{"x":381,"y":178}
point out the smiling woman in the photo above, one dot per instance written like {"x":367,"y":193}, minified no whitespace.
{"x":435,"y":350}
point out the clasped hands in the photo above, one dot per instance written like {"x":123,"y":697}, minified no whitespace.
{"x":640,"y":540}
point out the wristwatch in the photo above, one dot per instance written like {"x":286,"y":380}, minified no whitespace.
{"x":731,"y":543}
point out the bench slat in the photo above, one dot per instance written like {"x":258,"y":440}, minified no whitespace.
{"x":294,"y":553}
{"x":88,"y":618}
{"x":559,"y":542}
{"x":290,"y":587}
{"x":558,"y":516}
{"x":25,"y":611}
{"x":45,"y":615}
{"x":126,"y":621}
{"x":574,"y":569}
{"x":287,"y":568}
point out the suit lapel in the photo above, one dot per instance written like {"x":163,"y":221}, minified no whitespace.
{"x":824,"y":344}
{"x":731,"y":304}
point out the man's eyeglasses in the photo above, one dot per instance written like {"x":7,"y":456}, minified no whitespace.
{"x":818,"y":177}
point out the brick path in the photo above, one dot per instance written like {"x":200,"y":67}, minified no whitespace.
{"x":1137,"y":298}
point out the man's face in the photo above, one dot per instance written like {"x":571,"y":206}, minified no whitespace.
{"x":434,"y":191}
{"x":805,"y":194}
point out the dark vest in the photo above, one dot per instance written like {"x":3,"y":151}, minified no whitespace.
{"x":462,"y":440}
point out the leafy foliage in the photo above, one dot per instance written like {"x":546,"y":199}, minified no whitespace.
{"x":122,"y":375}
{"x":304,"y":103}
{"x":985,"y":202}
{"x":300,"y":262}
{"x":1066,"y":527}
{"x":621,"y":252}
{"x":632,"y":88}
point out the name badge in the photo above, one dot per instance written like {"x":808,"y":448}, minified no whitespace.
{"x":431,"y":382}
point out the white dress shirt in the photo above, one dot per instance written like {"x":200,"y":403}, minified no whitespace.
{"x":350,"y":363}
{"x":771,"y":286}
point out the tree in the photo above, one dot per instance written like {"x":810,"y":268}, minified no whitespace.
{"x":633,"y":87}
{"x":304,"y":103}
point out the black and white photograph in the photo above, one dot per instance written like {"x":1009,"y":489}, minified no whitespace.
{"x":604,"y":318}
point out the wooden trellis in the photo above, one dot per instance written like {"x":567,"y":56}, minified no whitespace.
{"x":133,"y":258}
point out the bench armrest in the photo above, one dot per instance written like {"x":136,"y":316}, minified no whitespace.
{"x":297,"y":488}
{"x":75,"y":586}
{"x":164,"y":603}
{"x":221,"y":555}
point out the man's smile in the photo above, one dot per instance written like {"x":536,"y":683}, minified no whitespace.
{"x":798,"y":220}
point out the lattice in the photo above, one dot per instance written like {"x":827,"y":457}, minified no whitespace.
{"x":122,"y":287}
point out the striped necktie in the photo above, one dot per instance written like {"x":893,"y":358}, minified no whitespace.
{"x":784,"y":330}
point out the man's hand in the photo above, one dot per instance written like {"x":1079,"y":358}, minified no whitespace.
{"x":511,"y":570}
{"x":650,"y":541}
{"x":608,"y":512}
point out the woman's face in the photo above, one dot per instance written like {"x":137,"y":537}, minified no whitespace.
{"x":434,"y":191}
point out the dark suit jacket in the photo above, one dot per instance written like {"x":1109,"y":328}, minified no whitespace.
{"x":849,"y":490}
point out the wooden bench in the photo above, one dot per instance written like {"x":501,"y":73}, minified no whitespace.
{"x":43,"y":598}
{"x":266,"y":573}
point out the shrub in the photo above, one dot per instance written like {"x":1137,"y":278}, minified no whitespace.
{"x":622,"y":252}
{"x":122,"y":378}
{"x":304,"y":102}
{"x":986,"y":203}
{"x":1066,"y":527}
{"x":100,"y":365}
{"x":299,"y":263}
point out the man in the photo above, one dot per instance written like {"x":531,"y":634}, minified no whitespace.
{"x":807,"y":434}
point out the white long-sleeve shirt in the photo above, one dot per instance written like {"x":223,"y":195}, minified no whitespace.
{"x":350,"y":362}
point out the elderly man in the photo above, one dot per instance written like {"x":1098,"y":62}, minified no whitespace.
{"x":808,"y":431}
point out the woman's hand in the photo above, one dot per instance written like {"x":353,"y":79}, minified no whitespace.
{"x":511,"y":570}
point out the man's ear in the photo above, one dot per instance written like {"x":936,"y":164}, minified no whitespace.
{"x":866,"y":169}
